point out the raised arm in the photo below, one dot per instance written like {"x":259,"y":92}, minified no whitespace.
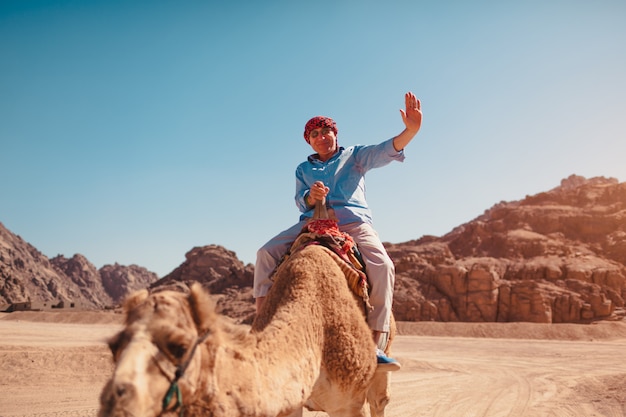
{"x":412,"y":119}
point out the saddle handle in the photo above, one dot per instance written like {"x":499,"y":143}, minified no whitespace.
{"x":320,"y":212}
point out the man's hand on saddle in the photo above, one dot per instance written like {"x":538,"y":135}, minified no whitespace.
{"x":318,"y":192}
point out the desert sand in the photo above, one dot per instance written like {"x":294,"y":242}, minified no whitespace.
{"x":55,"y":364}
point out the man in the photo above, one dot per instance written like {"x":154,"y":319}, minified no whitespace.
{"x":337,"y":174}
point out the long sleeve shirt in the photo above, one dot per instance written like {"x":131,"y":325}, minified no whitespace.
{"x":344,"y":174}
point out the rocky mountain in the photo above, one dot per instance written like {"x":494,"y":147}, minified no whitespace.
{"x":555,"y":257}
{"x":26,"y":275}
{"x":223,"y":274}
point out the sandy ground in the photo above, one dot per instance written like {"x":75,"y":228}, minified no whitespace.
{"x":55,"y":364}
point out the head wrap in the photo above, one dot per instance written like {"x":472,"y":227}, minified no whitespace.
{"x":316,"y":123}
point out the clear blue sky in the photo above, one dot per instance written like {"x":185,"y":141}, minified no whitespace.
{"x":132,"y":131}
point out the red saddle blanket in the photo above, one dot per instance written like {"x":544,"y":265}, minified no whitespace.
{"x":341,"y":246}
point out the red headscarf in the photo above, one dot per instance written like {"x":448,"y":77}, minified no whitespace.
{"x":316,"y":123}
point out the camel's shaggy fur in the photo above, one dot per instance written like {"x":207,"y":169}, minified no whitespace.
{"x":310,"y":345}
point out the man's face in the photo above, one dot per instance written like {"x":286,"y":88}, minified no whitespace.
{"x":324,"y":142}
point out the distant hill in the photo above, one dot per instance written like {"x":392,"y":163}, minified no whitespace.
{"x":223,"y":274}
{"x":26,"y":275}
{"x":554,"y":257}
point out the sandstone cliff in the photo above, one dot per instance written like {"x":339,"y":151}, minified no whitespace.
{"x":555,"y":257}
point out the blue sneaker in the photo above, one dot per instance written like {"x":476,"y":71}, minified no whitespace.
{"x":385,"y":363}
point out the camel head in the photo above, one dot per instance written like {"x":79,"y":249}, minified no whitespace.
{"x":162,"y":336}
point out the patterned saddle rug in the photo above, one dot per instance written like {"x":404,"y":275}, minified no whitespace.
{"x":341,"y":247}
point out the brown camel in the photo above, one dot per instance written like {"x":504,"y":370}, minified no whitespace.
{"x":309,"y":347}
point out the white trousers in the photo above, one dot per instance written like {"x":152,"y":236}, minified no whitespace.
{"x":378,"y":264}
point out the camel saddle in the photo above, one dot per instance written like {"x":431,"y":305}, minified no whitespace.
{"x":324,"y":231}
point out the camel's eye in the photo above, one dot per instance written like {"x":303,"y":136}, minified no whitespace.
{"x":177,"y":350}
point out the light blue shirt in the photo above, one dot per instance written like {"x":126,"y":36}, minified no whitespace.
{"x":344,"y":174}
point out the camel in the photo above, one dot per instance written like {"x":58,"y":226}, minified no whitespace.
{"x":310,"y":346}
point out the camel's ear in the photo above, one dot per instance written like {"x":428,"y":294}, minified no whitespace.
{"x":115,"y":344}
{"x":202,"y":307}
{"x":134,"y":300}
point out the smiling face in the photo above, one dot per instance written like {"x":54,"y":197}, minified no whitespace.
{"x":324,"y":142}
{"x":321,"y":133}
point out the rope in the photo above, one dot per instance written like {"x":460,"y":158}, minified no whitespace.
{"x":180,"y":371}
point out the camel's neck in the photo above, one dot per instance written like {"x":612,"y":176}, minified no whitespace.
{"x":273,"y":368}
{"x":263,"y":374}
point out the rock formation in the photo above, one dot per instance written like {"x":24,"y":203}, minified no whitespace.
{"x":27,"y":275}
{"x":119,"y":281}
{"x":223,"y":274}
{"x":555,"y":257}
